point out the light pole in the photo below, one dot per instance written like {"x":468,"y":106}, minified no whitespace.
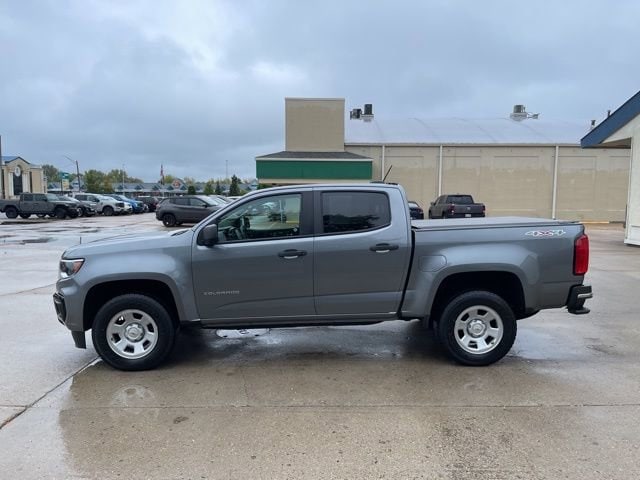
{"x":123,"y":179}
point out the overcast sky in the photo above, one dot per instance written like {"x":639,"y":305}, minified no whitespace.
{"x":195,"y":85}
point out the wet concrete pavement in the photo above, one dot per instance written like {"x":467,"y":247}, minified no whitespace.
{"x":324,"y":402}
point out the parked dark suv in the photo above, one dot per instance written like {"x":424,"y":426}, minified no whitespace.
{"x":186,"y":209}
{"x":151,"y":202}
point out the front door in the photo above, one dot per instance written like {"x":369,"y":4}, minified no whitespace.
{"x":261,"y":269}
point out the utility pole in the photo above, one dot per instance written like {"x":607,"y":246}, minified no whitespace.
{"x":123,"y":179}
{"x":77,"y":170}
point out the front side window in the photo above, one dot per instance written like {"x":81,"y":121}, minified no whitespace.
{"x":344,"y":212}
{"x":262,"y":219}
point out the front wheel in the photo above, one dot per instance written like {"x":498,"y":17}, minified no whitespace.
{"x":60,"y":213}
{"x":107,"y":211}
{"x":11,"y":212}
{"x":133,"y":332}
{"x":169,"y":220}
{"x":477,"y":328}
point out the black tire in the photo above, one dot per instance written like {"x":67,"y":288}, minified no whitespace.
{"x":444,"y":215}
{"x":497,"y":315}
{"x":60,"y":213}
{"x":25,"y":215}
{"x":11,"y":212}
{"x":107,"y":211}
{"x":152,"y":317}
{"x":73,"y":213}
{"x":41,"y":215}
{"x":429,"y":216}
{"x":169,"y":220}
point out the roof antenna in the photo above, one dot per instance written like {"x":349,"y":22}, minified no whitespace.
{"x":387,"y":174}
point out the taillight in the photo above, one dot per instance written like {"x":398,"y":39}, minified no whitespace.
{"x":581,"y":255}
{"x":452,"y":208}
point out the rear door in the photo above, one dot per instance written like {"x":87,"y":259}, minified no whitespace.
{"x":362,"y":251}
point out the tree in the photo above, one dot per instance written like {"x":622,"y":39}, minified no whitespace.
{"x":94,"y":181}
{"x":208,"y":188}
{"x":234,"y":188}
{"x":191,"y":190}
{"x":51,"y":172}
{"x":168,"y":179}
{"x":218,"y":190}
{"x":189,"y":180}
{"x":115,"y":176}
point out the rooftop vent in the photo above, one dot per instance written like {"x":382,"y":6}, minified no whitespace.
{"x":520,"y":113}
{"x":358,"y":114}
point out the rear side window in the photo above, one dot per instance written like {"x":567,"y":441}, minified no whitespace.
{"x":461,"y":199}
{"x":354,"y":211}
{"x":180,"y":201}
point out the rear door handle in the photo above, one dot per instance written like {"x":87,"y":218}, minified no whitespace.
{"x":383,"y":247}
{"x":292,"y":253}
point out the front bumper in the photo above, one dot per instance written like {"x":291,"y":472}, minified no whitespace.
{"x":63,"y":316}
{"x":577,"y":296}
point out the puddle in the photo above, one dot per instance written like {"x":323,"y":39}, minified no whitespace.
{"x":36,"y":240}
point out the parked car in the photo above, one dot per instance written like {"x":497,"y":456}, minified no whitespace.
{"x":416,"y":211}
{"x":136,"y":206}
{"x":150,"y":202}
{"x":107,"y":206}
{"x":186,"y":209}
{"x":41,"y":204}
{"x":470,"y":279}
{"x":456,"y":206}
{"x":86,"y":209}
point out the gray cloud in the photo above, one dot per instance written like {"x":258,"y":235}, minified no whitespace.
{"x":199,"y":85}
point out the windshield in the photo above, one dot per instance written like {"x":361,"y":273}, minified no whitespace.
{"x":67,"y":199}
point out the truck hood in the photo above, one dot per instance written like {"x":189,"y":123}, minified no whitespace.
{"x":131,"y":242}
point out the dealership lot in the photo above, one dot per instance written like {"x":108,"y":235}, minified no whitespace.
{"x":377,"y":401}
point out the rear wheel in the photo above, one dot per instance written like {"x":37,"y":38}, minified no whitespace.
{"x":444,"y":215}
{"x":107,"y":211}
{"x":133,"y":332}
{"x":11,"y":212}
{"x":477,"y":328}
{"x":25,"y":215}
{"x":169,"y":220}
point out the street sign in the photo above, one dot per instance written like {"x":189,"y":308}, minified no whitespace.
{"x":64,"y":176}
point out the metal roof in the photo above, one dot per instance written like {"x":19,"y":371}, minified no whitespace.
{"x":463,"y":131}
{"x":287,"y":155}
{"x":614,"y":122}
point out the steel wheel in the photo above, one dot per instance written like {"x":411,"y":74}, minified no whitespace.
{"x":478,"y":329}
{"x":132,"y":334}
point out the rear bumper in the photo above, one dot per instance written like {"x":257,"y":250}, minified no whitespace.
{"x":577,"y":296}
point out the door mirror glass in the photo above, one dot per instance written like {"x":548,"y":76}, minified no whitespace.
{"x":210,"y":235}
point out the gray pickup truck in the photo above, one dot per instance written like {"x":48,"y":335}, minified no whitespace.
{"x":39,"y":204}
{"x":456,"y":206}
{"x":322,"y":255}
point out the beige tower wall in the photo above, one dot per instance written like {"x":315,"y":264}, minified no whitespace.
{"x":314,"y":125}
{"x":512,"y":180}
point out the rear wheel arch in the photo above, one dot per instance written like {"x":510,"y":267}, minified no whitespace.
{"x":506,"y":285}
{"x":101,"y":293}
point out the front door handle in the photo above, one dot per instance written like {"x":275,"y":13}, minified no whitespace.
{"x":383,"y":247}
{"x":292,"y":253}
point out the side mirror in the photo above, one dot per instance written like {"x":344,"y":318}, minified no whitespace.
{"x":210,"y":235}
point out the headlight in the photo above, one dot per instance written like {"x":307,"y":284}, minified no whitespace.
{"x":70,"y":267}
